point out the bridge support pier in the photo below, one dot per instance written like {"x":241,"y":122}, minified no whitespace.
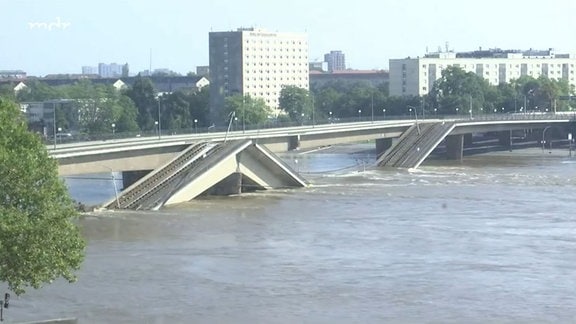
{"x":232,"y":185}
{"x":294,"y":143}
{"x":382,"y":145}
{"x":505,"y":139}
{"x":454,"y":147}
{"x":130,"y":177}
{"x":468,"y":141}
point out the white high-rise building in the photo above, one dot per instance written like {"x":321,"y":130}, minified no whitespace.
{"x":255,"y":62}
{"x":416,"y":76}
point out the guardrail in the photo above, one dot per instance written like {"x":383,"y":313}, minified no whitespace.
{"x":152,"y":135}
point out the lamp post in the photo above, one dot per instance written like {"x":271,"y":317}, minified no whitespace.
{"x":415,"y":117}
{"x":159,"y":119}
{"x":115,"y":185}
{"x":435,"y":112}
{"x":54,"y":122}
{"x":195,"y":122}
{"x":330,"y":118}
{"x":384,"y":113}
{"x":157,"y":128}
{"x":235,"y":123}
{"x":243,"y":98}
{"x":372,"y":106}
{"x":313,"y":108}
{"x":457,"y":110}
{"x":113,"y":129}
{"x":359,"y":113}
{"x":302,"y":119}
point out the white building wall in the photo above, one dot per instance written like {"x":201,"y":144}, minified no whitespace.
{"x":415,"y":76}
{"x":271,"y":60}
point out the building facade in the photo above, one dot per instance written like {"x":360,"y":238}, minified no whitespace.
{"x":416,"y":76}
{"x":336,"y":61}
{"x":12,"y":75}
{"x":374,"y":78}
{"x":255,"y":62}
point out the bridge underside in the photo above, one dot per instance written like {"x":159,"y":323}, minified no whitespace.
{"x":209,"y":169}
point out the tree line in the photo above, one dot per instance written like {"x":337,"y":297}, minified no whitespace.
{"x":103,"y":109}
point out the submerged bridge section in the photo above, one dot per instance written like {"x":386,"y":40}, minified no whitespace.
{"x":415,"y":144}
{"x":208,"y":168}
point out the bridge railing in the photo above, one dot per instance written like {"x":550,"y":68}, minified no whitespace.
{"x":238,"y":128}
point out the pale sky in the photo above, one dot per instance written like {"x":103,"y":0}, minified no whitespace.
{"x":369,"y":32}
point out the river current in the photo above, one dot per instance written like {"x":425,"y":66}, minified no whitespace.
{"x":491,"y":239}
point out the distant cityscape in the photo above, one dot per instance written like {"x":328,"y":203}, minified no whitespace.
{"x":257,"y":62}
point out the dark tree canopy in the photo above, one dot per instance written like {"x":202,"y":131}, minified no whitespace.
{"x":39,"y":241}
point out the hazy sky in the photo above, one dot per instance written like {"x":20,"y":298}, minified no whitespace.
{"x":369,"y":32}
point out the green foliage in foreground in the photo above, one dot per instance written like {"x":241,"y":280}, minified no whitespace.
{"x":39,"y":242}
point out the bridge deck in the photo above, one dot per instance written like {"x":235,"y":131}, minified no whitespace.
{"x":223,"y":168}
{"x":415,"y":144}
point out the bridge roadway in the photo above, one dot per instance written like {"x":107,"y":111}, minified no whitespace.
{"x":147,"y":153}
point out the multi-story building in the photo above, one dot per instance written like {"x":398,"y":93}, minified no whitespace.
{"x":416,"y":76}
{"x":12,"y":75}
{"x":89,"y":70}
{"x":336,"y":61}
{"x":255,"y":62}
{"x":112,"y":70}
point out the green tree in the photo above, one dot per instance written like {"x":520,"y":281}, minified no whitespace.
{"x":39,"y":242}
{"x":199,"y":105}
{"x":126,"y":120}
{"x":457,"y":90}
{"x":144,"y":97}
{"x":248,"y":110}
{"x":296,"y":102}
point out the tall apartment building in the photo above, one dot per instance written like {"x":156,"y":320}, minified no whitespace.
{"x":416,"y":76}
{"x":89,"y":70}
{"x":112,"y":70}
{"x":255,"y":62}
{"x":336,"y":61}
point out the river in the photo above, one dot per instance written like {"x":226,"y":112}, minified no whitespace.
{"x":491,"y":239}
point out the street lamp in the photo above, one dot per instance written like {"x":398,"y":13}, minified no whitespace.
{"x":195,"y":122}
{"x":157,"y":125}
{"x":235,"y":123}
{"x":502,"y":109}
{"x":470,"y":111}
{"x":384,"y":113}
{"x":457,"y":110}
{"x":359,"y":112}
{"x":54,"y":122}
{"x":113,"y":129}
{"x":302,"y":119}
{"x":330,"y":118}
{"x":415,"y":117}
{"x":435,"y":111}
{"x":159,"y":119}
